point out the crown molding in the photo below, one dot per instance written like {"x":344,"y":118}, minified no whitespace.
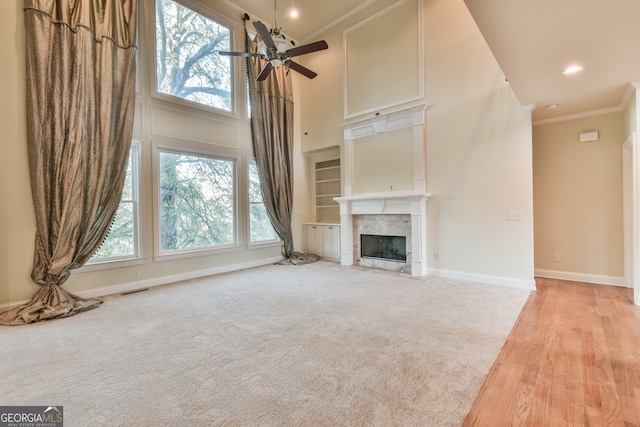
{"x":631,"y":88}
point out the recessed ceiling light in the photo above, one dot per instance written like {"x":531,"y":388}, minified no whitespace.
{"x":572,"y":70}
{"x":293,"y":14}
{"x":551,"y":106}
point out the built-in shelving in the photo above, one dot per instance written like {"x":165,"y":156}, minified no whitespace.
{"x":328,"y":185}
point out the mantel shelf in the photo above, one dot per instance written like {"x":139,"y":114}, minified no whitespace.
{"x":383,"y":196}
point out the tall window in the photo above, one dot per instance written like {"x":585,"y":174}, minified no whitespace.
{"x":197,"y":202}
{"x":122,"y":240}
{"x":260,"y":228}
{"x":188,"y":65}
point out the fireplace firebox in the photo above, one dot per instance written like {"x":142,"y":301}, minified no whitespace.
{"x":390,"y":248}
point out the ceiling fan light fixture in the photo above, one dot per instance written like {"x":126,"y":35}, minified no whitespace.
{"x":282,"y":46}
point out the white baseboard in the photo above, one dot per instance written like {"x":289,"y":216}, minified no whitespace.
{"x":157,"y":281}
{"x":8,"y":306}
{"x":484,"y":278}
{"x":581,"y":277}
{"x":142,"y":284}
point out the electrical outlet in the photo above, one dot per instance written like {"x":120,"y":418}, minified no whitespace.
{"x":136,"y":273}
{"x":371,"y":180}
{"x":436,"y":256}
{"x":556,"y":257}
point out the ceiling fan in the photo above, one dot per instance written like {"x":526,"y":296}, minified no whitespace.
{"x":277,"y":50}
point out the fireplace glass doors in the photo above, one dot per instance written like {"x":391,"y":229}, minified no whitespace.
{"x":390,"y":248}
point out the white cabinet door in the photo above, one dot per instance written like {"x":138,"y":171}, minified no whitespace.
{"x":331,"y":239}
{"x":314,"y":239}
{"x":322,"y":240}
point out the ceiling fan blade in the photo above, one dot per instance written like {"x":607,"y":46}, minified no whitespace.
{"x":245,"y":54}
{"x":264,"y":34}
{"x":299,"y":68}
{"x":265,"y":72}
{"x":308,"y":48}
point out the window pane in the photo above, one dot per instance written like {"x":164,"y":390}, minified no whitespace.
{"x":255,"y":193}
{"x":260,"y":225}
{"x":188,"y":64}
{"x":260,"y":228}
{"x":120,"y":242}
{"x":196,"y":202}
{"x":127,"y":190}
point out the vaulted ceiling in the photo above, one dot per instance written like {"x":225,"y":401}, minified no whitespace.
{"x":532,"y":40}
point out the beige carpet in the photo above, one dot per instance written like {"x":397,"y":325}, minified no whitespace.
{"x":309,"y":345}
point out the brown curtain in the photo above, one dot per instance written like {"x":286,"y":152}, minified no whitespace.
{"x":272,"y":132}
{"x":80,"y":101}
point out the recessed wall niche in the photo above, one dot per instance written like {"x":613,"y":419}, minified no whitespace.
{"x":384,"y":65}
{"x":383,"y":162}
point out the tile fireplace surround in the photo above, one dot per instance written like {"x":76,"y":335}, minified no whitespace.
{"x":391,"y":209}
{"x":388,"y":212}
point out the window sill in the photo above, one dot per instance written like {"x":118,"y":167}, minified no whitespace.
{"x":107,"y":265}
{"x":196,"y":253}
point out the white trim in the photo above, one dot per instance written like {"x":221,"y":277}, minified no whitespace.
{"x":631,"y":89}
{"x":581,"y":277}
{"x":8,"y":306}
{"x":579,"y":115}
{"x":386,"y":204}
{"x":420,"y":93}
{"x":509,"y":282}
{"x":413,"y":117}
{"x":235,"y":72}
{"x":164,"y":280}
{"x":623,"y":104}
{"x":630,"y":209}
{"x":157,"y":148}
{"x":148,"y":283}
{"x":326,"y":28}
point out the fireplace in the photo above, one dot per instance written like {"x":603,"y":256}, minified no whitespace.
{"x":386,"y":215}
{"x":389,"y":210}
{"x":383,"y":241}
{"x":390,"y":248}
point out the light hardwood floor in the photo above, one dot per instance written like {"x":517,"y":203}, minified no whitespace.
{"x":572,"y":359}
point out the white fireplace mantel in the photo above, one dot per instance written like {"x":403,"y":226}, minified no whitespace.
{"x":412,"y":202}
{"x":393,"y":203}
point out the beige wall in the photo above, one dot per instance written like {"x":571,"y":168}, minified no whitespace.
{"x":578,"y":197}
{"x":17,"y":222}
{"x":156,"y":122}
{"x":382,"y":162}
{"x":479,"y":152}
{"x":478,"y":145}
{"x":479,"y":161}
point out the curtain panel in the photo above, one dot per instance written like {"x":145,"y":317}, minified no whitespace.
{"x":272,"y":134}
{"x":80,"y":58}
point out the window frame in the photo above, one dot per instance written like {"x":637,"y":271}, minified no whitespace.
{"x":164,"y":255}
{"x":138,"y":207}
{"x":235,"y":70}
{"x":261,"y":243}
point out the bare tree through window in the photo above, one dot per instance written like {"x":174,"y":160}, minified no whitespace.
{"x":188,"y":65}
{"x":197,"y":203}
